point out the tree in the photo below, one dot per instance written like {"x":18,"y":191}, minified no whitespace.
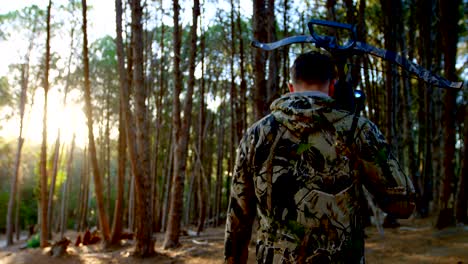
{"x":66,"y":191}
{"x":181,"y":133}
{"x":22,"y":105}
{"x":449,"y":30}
{"x":124,"y":119}
{"x":144,"y":236}
{"x":260,"y":33}
{"x":103,"y":220}
{"x":44,"y":224}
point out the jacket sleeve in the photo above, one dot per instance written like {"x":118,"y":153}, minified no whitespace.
{"x":242,"y":207}
{"x":382,"y":175}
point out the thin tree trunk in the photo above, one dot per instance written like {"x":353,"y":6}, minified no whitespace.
{"x":202,"y":182}
{"x":66,"y":191}
{"x":50,"y":204}
{"x":84,"y":222}
{"x":85,"y":188}
{"x":98,"y":187}
{"x":17,"y":213}
{"x":22,"y":106}
{"x":273,"y":59}
{"x":168,"y":186}
{"x":44,"y":223}
{"x":106,"y":167}
{"x":117,"y":224}
{"x":219,"y":166}
{"x":15,"y":178}
{"x":243,"y":84}
{"x":81,"y":190}
{"x":181,"y":130}
{"x":159,"y":122}
{"x":461,"y":197}
{"x":260,"y":33}
{"x":131,"y":205}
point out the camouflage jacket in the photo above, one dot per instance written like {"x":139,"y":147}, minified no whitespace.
{"x":295,"y":172}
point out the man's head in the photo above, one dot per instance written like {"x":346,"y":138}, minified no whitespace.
{"x":312,"y":71}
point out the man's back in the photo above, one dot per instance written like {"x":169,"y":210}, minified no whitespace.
{"x":295,"y":168}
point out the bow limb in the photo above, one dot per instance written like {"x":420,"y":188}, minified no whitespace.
{"x":413,"y":68}
{"x":283,"y":42}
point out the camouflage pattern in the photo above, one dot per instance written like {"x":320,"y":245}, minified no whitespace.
{"x":296,"y":174}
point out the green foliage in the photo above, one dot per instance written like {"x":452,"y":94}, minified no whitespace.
{"x":30,"y":17}
{"x":34,"y":241}
{"x":4,"y":196}
{"x":5,"y":93}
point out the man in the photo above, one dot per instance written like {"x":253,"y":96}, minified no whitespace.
{"x":296,"y":171}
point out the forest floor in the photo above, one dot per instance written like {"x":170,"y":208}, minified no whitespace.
{"x":414,"y":242}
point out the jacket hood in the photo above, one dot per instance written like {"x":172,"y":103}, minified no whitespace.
{"x":301,"y":111}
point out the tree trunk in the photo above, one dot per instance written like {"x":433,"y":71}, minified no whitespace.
{"x":44,"y":223}
{"x":181,"y":133}
{"x":449,"y":29}
{"x":144,"y":205}
{"x":66,"y":191}
{"x":461,"y":198}
{"x":15,"y":178}
{"x":84,"y":192}
{"x":22,"y":105}
{"x":17,"y":213}
{"x":98,"y":186}
{"x":219,"y":166}
{"x":390,"y":10}
{"x":260,"y":25}
{"x":81,"y":190}
{"x":243,"y":84}
{"x":426,"y":48}
{"x":168,"y":186}
{"x":273,"y":59}
{"x":117,"y":224}
{"x":131,"y":205}
{"x":50,"y":204}
{"x":159,"y":123}
{"x":202,"y":182}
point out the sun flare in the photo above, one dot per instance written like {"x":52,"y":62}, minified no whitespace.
{"x":69,"y":118}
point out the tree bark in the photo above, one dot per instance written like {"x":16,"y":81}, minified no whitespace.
{"x":243,"y":84}
{"x":181,"y":133}
{"x":391,"y":9}
{"x":425,"y":15}
{"x":117,"y":224}
{"x":50,"y":204}
{"x":260,"y":25}
{"x":98,"y":186}
{"x":273,"y":58}
{"x":66,"y":191}
{"x":44,"y":223}
{"x":144,"y":205}
{"x":449,"y":29}
{"x":219,"y":166}
{"x":461,"y":198}
{"x":15,"y":178}
{"x":202,"y":182}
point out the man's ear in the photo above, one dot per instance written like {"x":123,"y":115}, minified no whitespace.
{"x":331,"y":88}
{"x":291,"y":87}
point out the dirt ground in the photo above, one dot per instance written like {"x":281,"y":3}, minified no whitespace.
{"x":414,"y":242}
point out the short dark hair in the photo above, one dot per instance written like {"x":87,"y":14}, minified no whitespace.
{"x":312,"y":67}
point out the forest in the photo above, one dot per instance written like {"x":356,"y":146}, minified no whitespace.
{"x":129,"y":139}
